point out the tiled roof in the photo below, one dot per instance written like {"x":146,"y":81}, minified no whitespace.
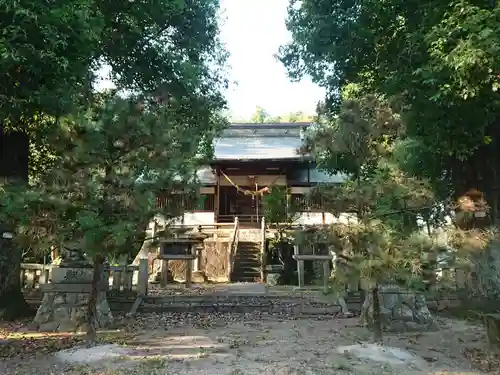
{"x":264,"y":141}
{"x":243,"y":148}
{"x":260,"y":141}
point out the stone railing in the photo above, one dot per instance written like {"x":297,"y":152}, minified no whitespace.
{"x":121,"y":278}
{"x":33,"y":275}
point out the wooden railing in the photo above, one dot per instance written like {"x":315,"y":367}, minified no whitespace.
{"x":121,"y":278}
{"x":203,"y":226}
{"x":233,"y":247}
{"x":246,"y":219}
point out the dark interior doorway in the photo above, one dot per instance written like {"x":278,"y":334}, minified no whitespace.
{"x":234,"y":203}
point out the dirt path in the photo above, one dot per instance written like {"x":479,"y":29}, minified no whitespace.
{"x":258,"y":345}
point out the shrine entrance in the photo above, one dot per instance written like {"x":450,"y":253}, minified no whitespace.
{"x":240,"y":189}
{"x":234,"y":203}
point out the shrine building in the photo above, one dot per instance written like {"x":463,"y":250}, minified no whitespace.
{"x":252,"y":158}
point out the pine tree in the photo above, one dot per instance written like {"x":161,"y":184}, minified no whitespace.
{"x":385,"y":244}
{"x":109,"y":164}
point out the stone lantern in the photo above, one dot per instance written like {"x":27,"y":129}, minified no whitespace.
{"x":185,"y":248}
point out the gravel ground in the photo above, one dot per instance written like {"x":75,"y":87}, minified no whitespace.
{"x":263,"y":344}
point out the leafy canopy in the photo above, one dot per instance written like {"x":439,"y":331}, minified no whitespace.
{"x":110,"y":163}
{"x":440,"y":60}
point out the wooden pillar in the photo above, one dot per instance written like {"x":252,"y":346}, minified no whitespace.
{"x":217,"y":195}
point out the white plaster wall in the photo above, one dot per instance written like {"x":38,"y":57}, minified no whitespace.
{"x":196,"y":218}
{"x":316,"y":218}
{"x":190,"y":218}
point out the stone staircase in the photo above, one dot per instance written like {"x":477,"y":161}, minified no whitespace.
{"x":244,"y":304}
{"x":249,"y":235}
{"x":246,"y":267}
{"x":247,"y":262}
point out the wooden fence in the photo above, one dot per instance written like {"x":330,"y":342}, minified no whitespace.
{"x":121,"y":278}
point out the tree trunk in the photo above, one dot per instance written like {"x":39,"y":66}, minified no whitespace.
{"x":91,"y":309}
{"x":12,"y":302}
{"x":377,"y":323}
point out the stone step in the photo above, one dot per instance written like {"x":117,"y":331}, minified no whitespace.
{"x":223,"y":297}
{"x":244,"y":254}
{"x":247,"y":254}
{"x":248,"y":249}
{"x":237,"y":297}
{"x":248,"y":305}
{"x":246,"y":270}
{"x":245,"y":260}
{"x":246,"y":267}
{"x":247,"y":277}
{"x":242,"y":309}
{"x":246,"y":263}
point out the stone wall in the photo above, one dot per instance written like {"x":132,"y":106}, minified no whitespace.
{"x":400,"y":310}
{"x":212,"y":263}
{"x":67,"y":312}
{"x":486,"y":280}
{"x":214,"y":260}
{"x":178,"y":269}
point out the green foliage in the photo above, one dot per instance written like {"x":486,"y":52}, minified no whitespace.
{"x":384,"y":240}
{"x":278,"y":206}
{"x":46,"y":51}
{"x":440,"y":60}
{"x":365,"y":129}
{"x":280,"y":212}
{"x":98,"y":160}
{"x":109,"y":164}
{"x":49,"y":52}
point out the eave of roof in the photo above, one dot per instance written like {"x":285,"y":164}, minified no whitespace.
{"x":260,"y":160}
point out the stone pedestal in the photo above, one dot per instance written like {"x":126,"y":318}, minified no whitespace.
{"x":400,"y":310}
{"x":273,"y":274}
{"x":199,"y":277}
{"x":65,"y":302}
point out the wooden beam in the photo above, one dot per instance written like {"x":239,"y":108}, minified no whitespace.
{"x":217,"y":195}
